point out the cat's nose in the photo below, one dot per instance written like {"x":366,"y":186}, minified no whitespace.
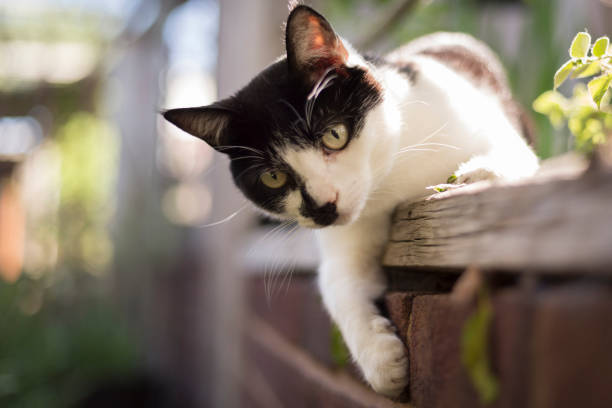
{"x":335,"y":200}
{"x":323,"y":215}
{"x":326,"y":214}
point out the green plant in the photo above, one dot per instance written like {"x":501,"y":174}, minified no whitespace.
{"x":475,"y":349}
{"x":588,"y":112}
{"x":339,"y":351}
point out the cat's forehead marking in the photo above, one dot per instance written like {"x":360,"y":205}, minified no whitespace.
{"x":307,"y":162}
{"x":312,"y":168}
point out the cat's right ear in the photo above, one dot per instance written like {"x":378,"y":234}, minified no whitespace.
{"x":208,"y":123}
{"x":312,"y":45}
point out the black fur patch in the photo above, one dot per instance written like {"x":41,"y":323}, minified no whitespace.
{"x":323,"y":215}
{"x":409,"y":69}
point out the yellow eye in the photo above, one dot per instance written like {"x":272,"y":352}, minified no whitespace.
{"x":274,"y":179}
{"x":336,"y":137}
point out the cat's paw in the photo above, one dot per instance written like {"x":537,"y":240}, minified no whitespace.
{"x":472,"y":176}
{"x":383,"y":359}
{"x":463,"y":177}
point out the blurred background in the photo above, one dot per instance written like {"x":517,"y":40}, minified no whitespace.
{"x":124,"y":246}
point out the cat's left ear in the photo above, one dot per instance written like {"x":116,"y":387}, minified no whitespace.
{"x":208,"y":123}
{"x":312,"y":45}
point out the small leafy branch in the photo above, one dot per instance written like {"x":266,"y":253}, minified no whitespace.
{"x":588,"y":112}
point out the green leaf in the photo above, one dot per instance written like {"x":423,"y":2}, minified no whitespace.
{"x":562,"y":73}
{"x":600,"y":47}
{"x":451,"y":179}
{"x":554,"y":105}
{"x":475,"y":350}
{"x":548,"y":101}
{"x":580,"y":45}
{"x":598,"y":86}
{"x":606,"y":101}
{"x":587,"y":70}
{"x":339,"y":351}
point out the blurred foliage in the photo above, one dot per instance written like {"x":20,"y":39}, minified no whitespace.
{"x":61,"y":335}
{"x":588,"y":113}
{"x":88,"y":148}
{"x":339,"y":351}
{"x":60,"y":26}
{"x":53,"y":353}
{"x":475,"y":349}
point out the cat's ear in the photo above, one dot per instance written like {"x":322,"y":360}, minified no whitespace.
{"x":312,"y":45}
{"x":208,"y":123}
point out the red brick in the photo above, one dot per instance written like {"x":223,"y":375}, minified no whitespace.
{"x":297,"y":312}
{"x":511,"y":333}
{"x":572,"y":348}
{"x":294,"y":379}
{"x":399,"y":305}
{"x":437,"y":378}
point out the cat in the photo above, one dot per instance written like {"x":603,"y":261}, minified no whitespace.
{"x":335,"y":140}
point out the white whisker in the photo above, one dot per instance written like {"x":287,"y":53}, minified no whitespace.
{"x":436,"y":144}
{"x":435,"y":132}
{"x":406,"y":150}
{"x":416,"y":101}
{"x":226,"y":147}
{"x":226,"y":219}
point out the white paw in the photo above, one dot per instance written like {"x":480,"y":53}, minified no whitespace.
{"x":463,"y":177}
{"x":473,"y":175}
{"x":383,"y":359}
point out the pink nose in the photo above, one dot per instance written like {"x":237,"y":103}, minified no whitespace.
{"x":323,"y":195}
{"x":335,"y":200}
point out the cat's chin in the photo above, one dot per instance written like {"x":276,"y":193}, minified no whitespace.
{"x":345,"y":219}
{"x":340,"y":221}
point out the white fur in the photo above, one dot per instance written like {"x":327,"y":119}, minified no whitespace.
{"x":417,"y":137}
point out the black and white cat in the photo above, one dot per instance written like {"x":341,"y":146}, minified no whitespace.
{"x":335,"y":141}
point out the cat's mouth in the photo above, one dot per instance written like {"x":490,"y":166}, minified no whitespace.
{"x":328,"y":220}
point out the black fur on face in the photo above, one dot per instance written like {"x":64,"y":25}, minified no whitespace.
{"x":271,"y":114}
{"x":289,"y":104}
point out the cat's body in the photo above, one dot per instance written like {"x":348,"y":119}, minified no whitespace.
{"x":333,"y":140}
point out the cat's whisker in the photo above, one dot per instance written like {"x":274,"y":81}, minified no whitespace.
{"x":318,"y":85}
{"x":251,"y":167}
{"x":248,"y":157}
{"x":435,"y":132}
{"x":226,"y":219}
{"x":422,"y":147}
{"x":227,"y":147}
{"x":279,"y":266}
{"x":268,"y":272}
{"x":282,"y":266}
{"x":273,"y":232}
{"x":407,"y":150}
{"x":323,"y":82}
{"x":295,"y":112}
{"x":415,"y":102}
{"x":291,"y":269}
{"x":436,"y":144}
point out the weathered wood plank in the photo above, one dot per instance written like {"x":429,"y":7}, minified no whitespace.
{"x":562,"y":225}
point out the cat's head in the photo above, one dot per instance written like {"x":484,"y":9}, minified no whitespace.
{"x":308,"y":137}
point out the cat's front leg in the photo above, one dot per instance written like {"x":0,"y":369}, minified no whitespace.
{"x":507,"y":162}
{"x":350,"y":280}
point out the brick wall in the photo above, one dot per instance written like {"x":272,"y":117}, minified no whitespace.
{"x":550,"y":346}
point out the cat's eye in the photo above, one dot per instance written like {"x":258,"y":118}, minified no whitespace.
{"x":273,"y":179}
{"x":336,"y":137}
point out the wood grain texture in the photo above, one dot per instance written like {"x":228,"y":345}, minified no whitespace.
{"x":550,"y":225}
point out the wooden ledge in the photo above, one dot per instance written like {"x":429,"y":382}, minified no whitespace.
{"x":558,"y":222}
